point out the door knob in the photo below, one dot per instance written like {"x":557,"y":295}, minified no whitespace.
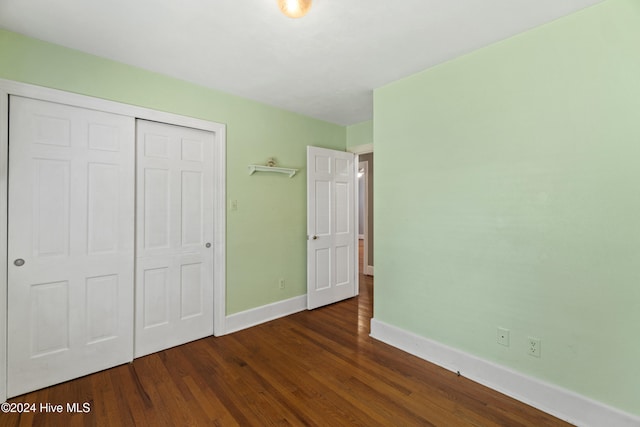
{"x":315,"y":237}
{"x":18,"y":262}
{"x":207,"y":245}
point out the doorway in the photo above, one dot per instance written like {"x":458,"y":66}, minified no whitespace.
{"x":365,"y":244}
{"x":365,"y":180}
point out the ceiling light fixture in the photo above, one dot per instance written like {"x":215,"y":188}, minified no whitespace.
{"x":294,"y":8}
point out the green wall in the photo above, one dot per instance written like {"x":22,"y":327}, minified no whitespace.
{"x":266,"y":235}
{"x":360,"y":134}
{"x":519,"y":166}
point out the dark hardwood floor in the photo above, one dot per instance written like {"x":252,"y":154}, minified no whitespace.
{"x":317,"y":368}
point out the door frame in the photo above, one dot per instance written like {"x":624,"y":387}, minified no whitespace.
{"x":359,"y":150}
{"x":365,"y":215}
{"x":9,"y":87}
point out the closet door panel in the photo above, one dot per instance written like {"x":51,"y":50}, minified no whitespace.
{"x":70,"y":242}
{"x":174,"y":254}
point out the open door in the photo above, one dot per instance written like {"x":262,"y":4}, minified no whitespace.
{"x":332,"y":246}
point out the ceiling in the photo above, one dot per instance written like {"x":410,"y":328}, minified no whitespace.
{"x":324,"y":65}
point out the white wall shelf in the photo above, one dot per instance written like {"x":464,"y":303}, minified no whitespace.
{"x":260,"y":168}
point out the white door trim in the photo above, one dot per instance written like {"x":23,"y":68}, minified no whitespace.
{"x":365,"y":243}
{"x":366,"y":268}
{"x":361,"y":149}
{"x":9,"y":87}
{"x":4,"y":163}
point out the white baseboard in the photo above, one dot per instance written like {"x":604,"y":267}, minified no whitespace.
{"x":564,"y":404}
{"x":255,"y":316}
{"x":368,"y":270}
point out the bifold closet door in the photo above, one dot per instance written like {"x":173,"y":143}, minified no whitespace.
{"x":174,"y":236}
{"x":70,"y":243}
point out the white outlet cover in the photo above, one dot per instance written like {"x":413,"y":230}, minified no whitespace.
{"x":534,"y":347}
{"x":503,"y":337}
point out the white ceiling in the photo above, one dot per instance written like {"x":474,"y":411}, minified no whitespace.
{"x":324,"y":65}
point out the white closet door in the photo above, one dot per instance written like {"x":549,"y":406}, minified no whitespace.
{"x":174,"y":261}
{"x":70,"y":243}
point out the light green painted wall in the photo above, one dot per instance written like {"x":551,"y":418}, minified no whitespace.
{"x":360,"y":134}
{"x":519,"y":166}
{"x":266,"y":236}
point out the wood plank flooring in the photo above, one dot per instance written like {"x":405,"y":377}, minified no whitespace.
{"x":317,"y":368}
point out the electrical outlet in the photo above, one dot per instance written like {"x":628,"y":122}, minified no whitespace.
{"x":534,"y":347}
{"x":503,"y":337}
{"x":281,"y":283}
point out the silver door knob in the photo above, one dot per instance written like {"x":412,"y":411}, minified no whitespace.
{"x":19,"y":262}
{"x":207,"y":245}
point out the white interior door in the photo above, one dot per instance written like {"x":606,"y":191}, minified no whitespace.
{"x":332,"y":248}
{"x":70,"y":243}
{"x":174,"y":234}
